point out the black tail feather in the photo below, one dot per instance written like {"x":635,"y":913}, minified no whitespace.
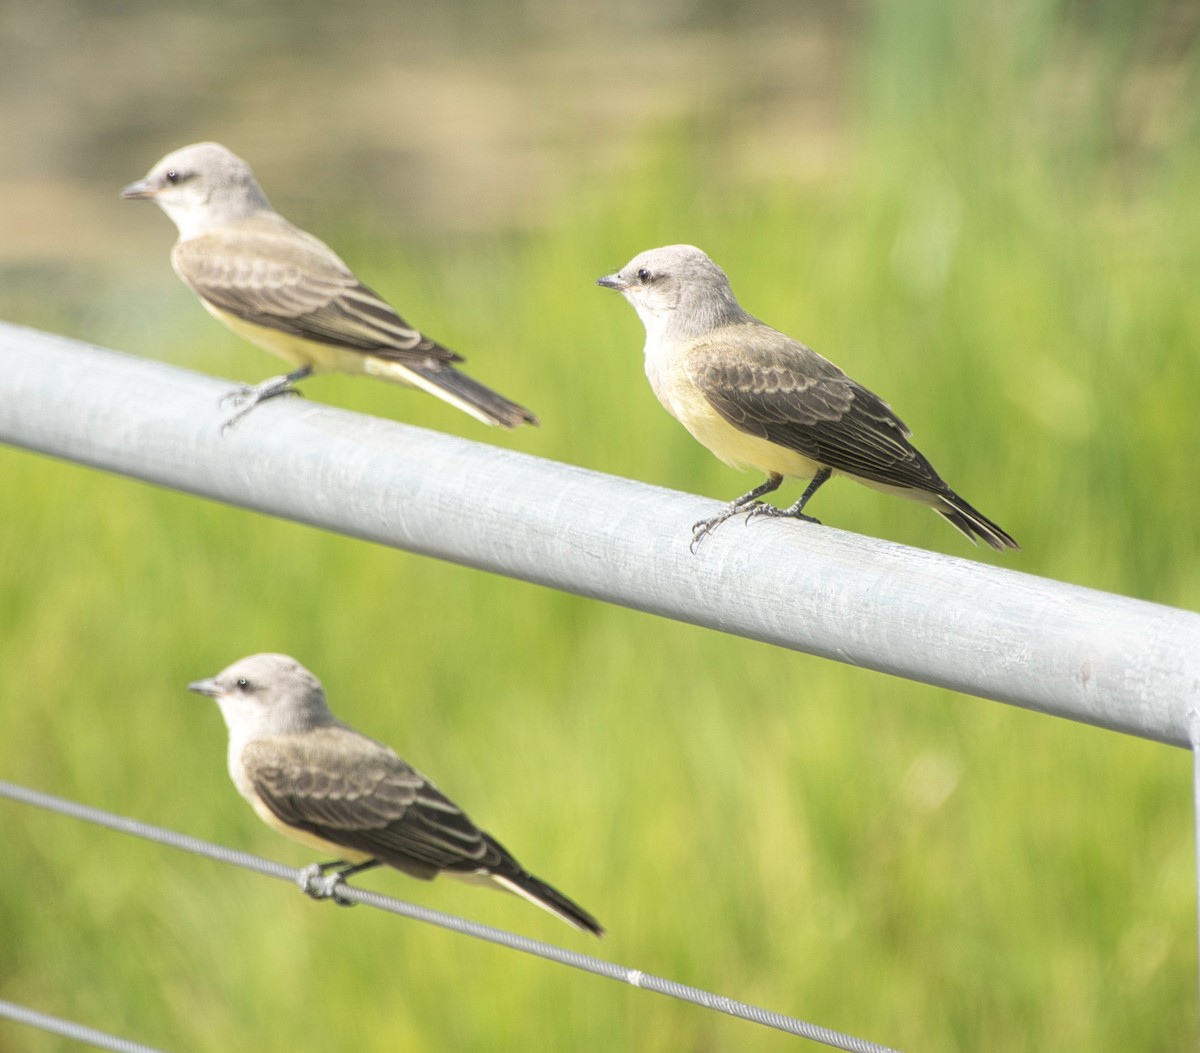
{"x":551,"y":899}
{"x":974,"y":523}
{"x":492,"y":405}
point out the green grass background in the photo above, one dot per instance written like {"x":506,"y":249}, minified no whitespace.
{"x":1008,"y":251}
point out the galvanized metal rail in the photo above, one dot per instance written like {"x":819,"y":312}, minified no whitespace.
{"x":1060,"y":649}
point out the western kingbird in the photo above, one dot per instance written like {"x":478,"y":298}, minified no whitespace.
{"x":758,"y":398}
{"x":289,"y":293}
{"x":320,"y":782}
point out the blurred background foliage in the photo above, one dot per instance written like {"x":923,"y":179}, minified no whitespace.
{"x":986,"y":212}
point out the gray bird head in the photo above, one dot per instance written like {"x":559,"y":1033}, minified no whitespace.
{"x":267,"y":694}
{"x":201,"y":187}
{"x":677,"y":291}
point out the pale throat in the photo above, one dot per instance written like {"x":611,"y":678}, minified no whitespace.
{"x":191,"y":218}
{"x":657,"y":322}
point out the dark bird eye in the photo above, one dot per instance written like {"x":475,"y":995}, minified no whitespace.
{"x":243,"y":684}
{"x":173,"y":178}
{"x":643,"y":275}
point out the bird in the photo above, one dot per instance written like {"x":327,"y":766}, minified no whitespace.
{"x":320,"y":782}
{"x":289,"y":293}
{"x":757,"y":398}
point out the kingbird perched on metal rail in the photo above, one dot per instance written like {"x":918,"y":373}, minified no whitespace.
{"x":320,"y":782}
{"x":289,"y":293}
{"x":758,"y":398}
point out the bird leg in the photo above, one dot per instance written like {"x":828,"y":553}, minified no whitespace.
{"x":797,"y":510}
{"x":250,"y":395}
{"x":704,"y":527}
{"x":315,"y":882}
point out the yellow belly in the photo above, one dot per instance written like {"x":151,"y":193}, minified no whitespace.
{"x":329,"y":850}
{"x":297,"y":352}
{"x":740,"y":450}
{"x":687,"y":404}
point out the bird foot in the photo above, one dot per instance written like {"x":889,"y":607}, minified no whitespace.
{"x":241,"y":398}
{"x":762,"y":509}
{"x":704,"y":527}
{"x":314,"y":882}
{"x":237,"y":396}
{"x":247,"y":396}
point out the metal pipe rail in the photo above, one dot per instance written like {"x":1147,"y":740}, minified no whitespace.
{"x":1060,"y":649}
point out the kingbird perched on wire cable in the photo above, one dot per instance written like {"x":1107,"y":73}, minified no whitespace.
{"x":758,"y":398}
{"x":320,"y":782}
{"x":289,"y":293}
